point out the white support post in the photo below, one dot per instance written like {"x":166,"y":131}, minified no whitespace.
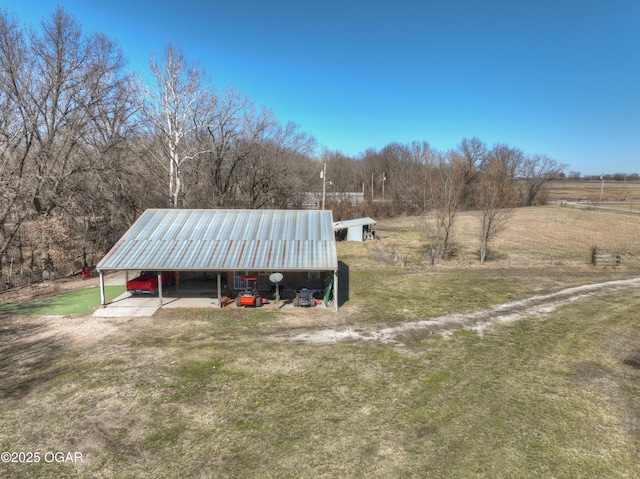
{"x":219,"y":292}
{"x":160,"y":287}
{"x":102,"y":296}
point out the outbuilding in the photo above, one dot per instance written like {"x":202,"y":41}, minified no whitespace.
{"x":358,"y":229}
{"x":229,"y":246}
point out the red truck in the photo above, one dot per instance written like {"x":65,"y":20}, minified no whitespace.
{"x":147,"y":282}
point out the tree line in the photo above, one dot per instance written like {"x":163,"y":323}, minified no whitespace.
{"x":86,"y":146}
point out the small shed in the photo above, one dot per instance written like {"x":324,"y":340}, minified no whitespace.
{"x":359,"y":229}
{"x":230,"y":244}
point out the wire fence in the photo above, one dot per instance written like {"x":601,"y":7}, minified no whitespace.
{"x":26,"y":277}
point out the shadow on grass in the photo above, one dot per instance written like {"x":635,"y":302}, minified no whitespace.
{"x":27,"y":359}
{"x":343,"y":283}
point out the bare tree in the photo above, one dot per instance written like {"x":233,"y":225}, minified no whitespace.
{"x":226,"y":136}
{"x":59,"y":90}
{"x":417,"y":175}
{"x":444,"y":189}
{"x":511,"y":159}
{"x":394,"y":158}
{"x":234,"y":129}
{"x":275,"y":168}
{"x":536,"y":172}
{"x":218,"y":150}
{"x":470,"y":154}
{"x":495,"y":199}
{"x":342,"y":174}
{"x":13,"y":154}
{"x":176,"y":108}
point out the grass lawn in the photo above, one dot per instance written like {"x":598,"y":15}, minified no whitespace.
{"x":212,"y":395}
{"x":82,"y":301}
{"x":220,"y":394}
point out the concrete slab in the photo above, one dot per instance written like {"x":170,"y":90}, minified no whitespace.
{"x":190,"y":301}
{"x":128,"y":305}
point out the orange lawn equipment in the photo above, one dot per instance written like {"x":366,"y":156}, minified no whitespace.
{"x":250,"y":295}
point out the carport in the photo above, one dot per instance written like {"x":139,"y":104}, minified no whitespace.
{"x":300,"y":244}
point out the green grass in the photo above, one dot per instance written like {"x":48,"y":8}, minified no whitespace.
{"x":550,"y":396}
{"x":82,"y":301}
{"x":392,"y":295}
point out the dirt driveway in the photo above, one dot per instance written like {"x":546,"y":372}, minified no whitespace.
{"x":477,"y":321}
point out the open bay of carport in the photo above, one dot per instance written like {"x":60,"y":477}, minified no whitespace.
{"x":194,"y":292}
{"x":129,"y":305}
{"x":137,"y":305}
{"x":191,"y":294}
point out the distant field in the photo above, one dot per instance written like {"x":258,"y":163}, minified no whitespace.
{"x":550,"y":236}
{"x":591,"y":190}
{"x":541,"y":250}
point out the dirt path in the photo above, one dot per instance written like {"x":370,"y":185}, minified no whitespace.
{"x":477,"y":321}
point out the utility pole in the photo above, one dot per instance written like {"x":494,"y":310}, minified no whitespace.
{"x":384,"y":178}
{"x":372,"y":186}
{"x":323,"y":175}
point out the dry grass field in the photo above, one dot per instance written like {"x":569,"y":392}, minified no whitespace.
{"x":236,"y":394}
{"x":541,"y":250}
{"x":591,"y":190}
{"x":533,"y":238}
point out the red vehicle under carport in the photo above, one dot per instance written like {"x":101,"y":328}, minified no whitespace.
{"x":147,"y":282}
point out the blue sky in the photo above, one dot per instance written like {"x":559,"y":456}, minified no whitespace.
{"x":560,"y":78}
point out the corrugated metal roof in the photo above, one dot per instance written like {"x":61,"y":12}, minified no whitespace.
{"x":356,"y":222}
{"x":223,"y":240}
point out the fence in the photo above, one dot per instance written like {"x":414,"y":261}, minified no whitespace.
{"x":37,"y":275}
{"x":632,"y":207}
{"x":606,"y":259}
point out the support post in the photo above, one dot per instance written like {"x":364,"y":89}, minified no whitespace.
{"x":102,"y":297}
{"x":160,"y":287}
{"x":219,"y":292}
